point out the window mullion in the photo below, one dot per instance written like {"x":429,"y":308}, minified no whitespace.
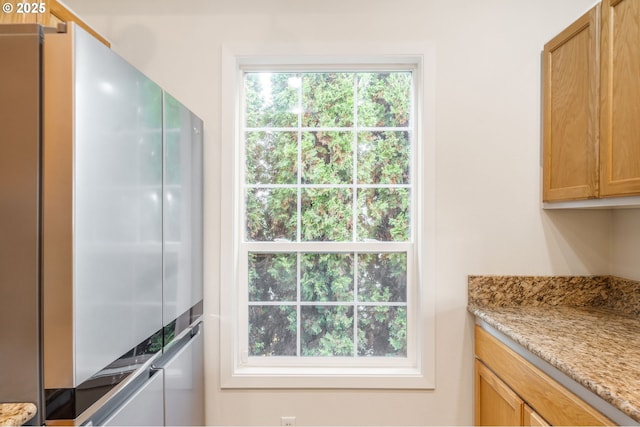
{"x":354,"y":150}
{"x":298,"y":307}
{"x":299,"y":226}
{"x":299,"y":180}
{"x":355,"y":214}
{"x":355,"y":304}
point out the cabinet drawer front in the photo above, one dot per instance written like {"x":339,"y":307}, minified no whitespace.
{"x":552,"y":401}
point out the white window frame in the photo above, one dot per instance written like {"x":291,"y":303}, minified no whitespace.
{"x":417,"y":370}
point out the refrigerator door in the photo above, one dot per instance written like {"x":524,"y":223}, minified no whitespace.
{"x":184,"y":380}
{"x":102,"y":208}
{"x":102,"y":222}
{"x":143,"y":408}
{"x":182,"y":215}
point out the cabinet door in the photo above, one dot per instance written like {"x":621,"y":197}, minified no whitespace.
{"x":496,"y":404}
{"x":620,"y":98}
{"x":532,"y":419}
{"x":570,"y":109}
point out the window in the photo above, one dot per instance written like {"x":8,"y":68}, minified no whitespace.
{"x":326,"y":284}
{"x":327,"y":159}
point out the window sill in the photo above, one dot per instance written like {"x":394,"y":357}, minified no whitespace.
{"x":325,"y":378}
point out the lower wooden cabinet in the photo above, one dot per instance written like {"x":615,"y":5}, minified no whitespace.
{"x":511,"y":391}
{"x":531,"y":418}
{"x":496,"y":403}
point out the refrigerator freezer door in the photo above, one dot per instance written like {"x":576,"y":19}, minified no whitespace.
{"x":184,"y":382}
{"x":182,"y":212}
{"x":143,"y":408}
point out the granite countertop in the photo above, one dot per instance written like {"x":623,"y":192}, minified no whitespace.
{"x":16,"y":414}
{"x":586,"y":327}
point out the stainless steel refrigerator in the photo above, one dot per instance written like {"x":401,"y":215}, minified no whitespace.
{"x":101,"y":236}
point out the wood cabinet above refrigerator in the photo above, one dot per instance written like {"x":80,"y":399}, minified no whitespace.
{"x":48,"y":13}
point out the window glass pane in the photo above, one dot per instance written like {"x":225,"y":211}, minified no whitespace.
{"x":384,"y":99}
{"x":382,"y":331}
{"x":327,"y":331}
{"x":271,"y":214}
{"x":327,"y":157}
{"x":382,"y":277}
{"x":326,"y":277}
{"x":271,"y":157}
{"x":383,"y":214}
{"x":272,"y":330}
{"x":327,"y":214}
{"x":272,"y":277}
{"x":271,"y":99}
{"x":383,"y":157}
{"x":327,"y":99}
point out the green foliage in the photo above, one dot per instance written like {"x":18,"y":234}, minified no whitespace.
{"x":384,"y":99}
{"x":272,"y":277}
{"x":382,"y":331}
{"x":271,"y":157}
{"x":327,"y":99}
{"x":382,"y":277}
{"x":327,"y":330}
{"x":319,"y":145}
{"x":383,"y":157}
{"x":271,"y":100}
{"x":326,"y":214}
{"x":327,"y":157}
{"x":326,"y":277}
{"x":383,"y":214}
{"x":271,"y":214}
{"x":272,"y":330}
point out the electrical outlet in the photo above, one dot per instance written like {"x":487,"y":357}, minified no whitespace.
{"x":288,"y":421}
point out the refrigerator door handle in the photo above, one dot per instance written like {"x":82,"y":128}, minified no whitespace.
{"x":177,"y":344}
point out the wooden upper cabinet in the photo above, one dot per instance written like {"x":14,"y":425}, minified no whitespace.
{"x":591,"y":106}
{"x":620,"y":98}
{"x":570,"y":111}
{"x":48,"y":13}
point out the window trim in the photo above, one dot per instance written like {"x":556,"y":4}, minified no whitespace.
{"x":419,"y":373}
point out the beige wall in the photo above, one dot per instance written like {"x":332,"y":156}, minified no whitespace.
{"x":487,"y":131}
{"x":625,"y":254}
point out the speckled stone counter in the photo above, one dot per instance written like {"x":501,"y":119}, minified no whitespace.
{"x":586,"y":327}
{"x":16,"y":414}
